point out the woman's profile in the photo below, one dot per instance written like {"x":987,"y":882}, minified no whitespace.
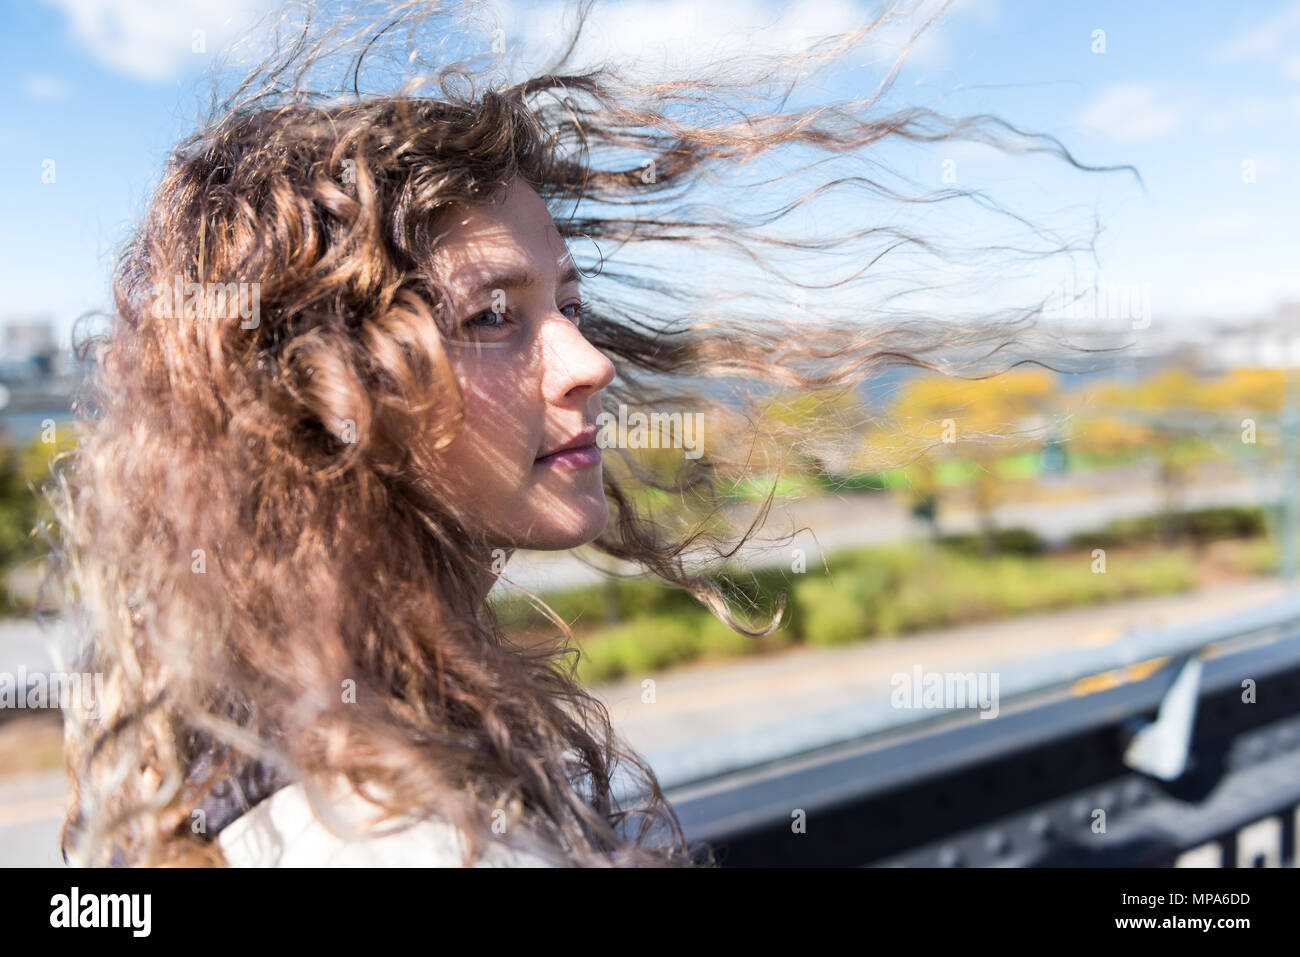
{"x":353,"y":365}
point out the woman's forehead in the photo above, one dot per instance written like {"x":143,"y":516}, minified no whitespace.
{"x":516,"y":234}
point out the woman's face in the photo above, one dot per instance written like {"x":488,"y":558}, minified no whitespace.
{"x":530,"y":380}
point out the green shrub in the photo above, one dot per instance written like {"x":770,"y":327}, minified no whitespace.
{"x":1004,"y":541}
{"x":922,"y":604}
{"x":831,"y":614}
{"x":638,"y":647}
{"x":849,"y":605}
{"x":869,"y":481}
{"x":1162,"y":574}
{"x":1257,"y":557}
{"x":1199,"y":525}
{"x":718,"y":640}
{"x":887,"y":590}
{"x":1213,"y":524}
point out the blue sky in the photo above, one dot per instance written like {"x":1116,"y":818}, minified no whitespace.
{"x":1203,"y":98}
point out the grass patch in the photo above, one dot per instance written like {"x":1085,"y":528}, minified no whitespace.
{"x":870,"y":593}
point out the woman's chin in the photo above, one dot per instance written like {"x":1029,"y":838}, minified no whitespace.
{"x":578,"y":528}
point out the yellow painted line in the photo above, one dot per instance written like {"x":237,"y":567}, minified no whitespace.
{"x":1094,"y":683}
{"x":1102,"y":636}
{"x":1119,"y":676}
{"x":1144,"y":669}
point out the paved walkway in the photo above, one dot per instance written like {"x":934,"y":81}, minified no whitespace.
{"x":31,"y":816}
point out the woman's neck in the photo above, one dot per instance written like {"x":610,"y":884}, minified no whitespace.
{"x":492,"y":566}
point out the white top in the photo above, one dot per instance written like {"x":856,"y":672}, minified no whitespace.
{"x":282,"y":831}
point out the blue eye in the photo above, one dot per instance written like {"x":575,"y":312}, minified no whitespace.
{"x":496,"y":321}
{"x":582,"y":311}
{"x":473,"y":321}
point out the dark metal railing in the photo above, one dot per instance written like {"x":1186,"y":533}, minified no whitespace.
{"x":1049,"y":782}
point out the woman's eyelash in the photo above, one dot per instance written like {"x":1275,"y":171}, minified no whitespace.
{"x":472,"y":322}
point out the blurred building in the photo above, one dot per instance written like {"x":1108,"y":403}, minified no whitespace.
{"x":39,"y":375}
{"x":28,"y":351}
{"x":1205,"y":347}
{"x":1272,"y":342}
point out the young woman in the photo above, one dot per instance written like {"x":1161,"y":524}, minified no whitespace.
{"x":353,"y":365}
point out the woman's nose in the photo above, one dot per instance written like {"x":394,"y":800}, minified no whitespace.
{"x":573,"y":365}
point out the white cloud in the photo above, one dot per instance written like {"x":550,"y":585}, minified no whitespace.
{"x":687,"y":34}
{"x":42,"y":86}
{"x":155,"y":40}
{"x":653,"y":35}
{"x":1269,"y":40}
{"x":1274,"y":41}
{"x":1130,"y":113}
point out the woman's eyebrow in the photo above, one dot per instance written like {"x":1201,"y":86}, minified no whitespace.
{"x":522,"y":278}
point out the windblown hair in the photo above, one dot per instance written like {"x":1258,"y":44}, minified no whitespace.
{"x":266,"y":575}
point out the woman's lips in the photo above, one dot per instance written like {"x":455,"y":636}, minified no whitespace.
{"x":579,"y":458}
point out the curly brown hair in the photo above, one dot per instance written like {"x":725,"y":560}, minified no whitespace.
{"x":239,"y":559}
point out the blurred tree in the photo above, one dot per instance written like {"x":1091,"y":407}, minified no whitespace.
{"x":1169,"y":416}
{"x":23,"y":470}
{"x":803,"y":428}
{"x":937,"y":419}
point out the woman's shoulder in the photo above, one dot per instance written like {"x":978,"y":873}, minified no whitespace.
{"x":284,"y":831}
